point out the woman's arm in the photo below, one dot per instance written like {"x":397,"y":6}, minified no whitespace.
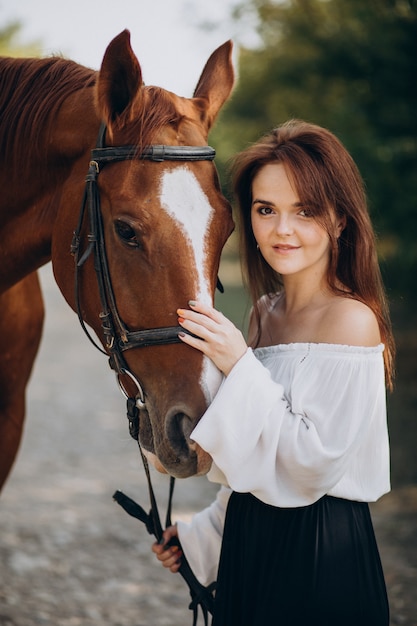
{"x":289,"y":449}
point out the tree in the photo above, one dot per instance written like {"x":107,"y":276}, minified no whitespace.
{"x":10,"y":45}
{"x":351,"y":66}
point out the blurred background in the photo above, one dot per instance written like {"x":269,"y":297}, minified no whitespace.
{"x":348,"y":65}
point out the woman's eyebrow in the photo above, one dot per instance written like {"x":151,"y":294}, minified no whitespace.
{"x":296,"y":205}
{"x":260,"y":201}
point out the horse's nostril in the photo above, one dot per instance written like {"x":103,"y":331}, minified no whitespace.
{"x":179,"y":428}
{"x":175,"y":450}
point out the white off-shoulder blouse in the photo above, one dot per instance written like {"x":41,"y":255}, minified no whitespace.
{"x":289,"y":424}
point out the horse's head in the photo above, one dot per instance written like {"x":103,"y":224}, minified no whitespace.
{"x":164,"y":225}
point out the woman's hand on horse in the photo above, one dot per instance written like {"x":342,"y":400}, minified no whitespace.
{"x":170,"y":556}
{"x":217,"y":337}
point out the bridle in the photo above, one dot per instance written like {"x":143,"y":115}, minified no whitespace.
{"x":118,"y":338}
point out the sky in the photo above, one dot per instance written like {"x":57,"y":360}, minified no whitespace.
{"x":166,"y":35}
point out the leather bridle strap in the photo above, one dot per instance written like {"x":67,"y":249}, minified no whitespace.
{"x":118,"y":338}
{"x":156,"y":153}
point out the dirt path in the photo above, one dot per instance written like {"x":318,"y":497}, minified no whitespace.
{"x":69,"y":556}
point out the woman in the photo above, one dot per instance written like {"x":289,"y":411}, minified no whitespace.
{"x":297,"y":431}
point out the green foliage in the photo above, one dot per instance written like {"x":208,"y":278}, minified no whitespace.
{"x":11,"y":46}
{"x":349,"y":65}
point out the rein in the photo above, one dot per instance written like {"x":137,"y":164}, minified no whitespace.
{"x":118,"y":338}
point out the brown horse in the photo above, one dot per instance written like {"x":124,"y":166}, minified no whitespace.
{"x":163,"y":223}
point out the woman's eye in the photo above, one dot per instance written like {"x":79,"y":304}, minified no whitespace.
{"x":306,"y":212}
{"x":265,"y":210}
{"x":126,"y":234}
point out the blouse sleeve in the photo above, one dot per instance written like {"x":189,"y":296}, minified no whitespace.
{"x":201,"y":538}
{"x":291,"y":448}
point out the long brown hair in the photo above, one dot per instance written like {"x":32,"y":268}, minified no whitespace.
{"x":326,"y":179}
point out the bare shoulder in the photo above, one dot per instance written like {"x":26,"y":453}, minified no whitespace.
{"x":350,"y":322}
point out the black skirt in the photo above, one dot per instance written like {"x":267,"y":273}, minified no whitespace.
{"x":307,"y":566}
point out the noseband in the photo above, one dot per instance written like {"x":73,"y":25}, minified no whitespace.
{"x":118,"y":338}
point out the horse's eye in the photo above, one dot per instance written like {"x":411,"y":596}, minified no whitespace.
{"x":126,"y":234}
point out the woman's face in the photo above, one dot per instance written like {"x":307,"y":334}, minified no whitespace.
{"x":290,"y":240}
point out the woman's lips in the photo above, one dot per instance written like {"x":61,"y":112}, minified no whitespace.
{"x":285,"y":248}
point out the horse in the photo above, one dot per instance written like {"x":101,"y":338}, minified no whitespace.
{"x":98,"y":167}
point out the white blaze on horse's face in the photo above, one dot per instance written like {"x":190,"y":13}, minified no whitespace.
{"x":184,"y":200}
{"x":182,"y":197}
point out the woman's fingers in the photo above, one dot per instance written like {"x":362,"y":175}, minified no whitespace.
{"x":205,"y":318}
{"x":215,"y":335}
{"x":169,"y":556}
{"x":205,"y":309}
{"x":207,"y":331}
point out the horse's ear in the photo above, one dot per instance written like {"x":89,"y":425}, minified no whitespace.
{"x":216,"y":81}
{"x":119,"y":80}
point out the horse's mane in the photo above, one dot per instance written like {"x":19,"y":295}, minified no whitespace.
{"x":31,"y":92}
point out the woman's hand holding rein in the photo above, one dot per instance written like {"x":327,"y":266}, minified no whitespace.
{"x":168,"y":555}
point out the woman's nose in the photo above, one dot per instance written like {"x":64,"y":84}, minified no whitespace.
{"x":283,"y":225}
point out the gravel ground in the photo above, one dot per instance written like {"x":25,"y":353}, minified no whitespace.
{"x":69,"y":556}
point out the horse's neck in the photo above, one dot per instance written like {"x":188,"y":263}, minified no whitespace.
{"x":30,"y":212}
{"x":53,"y":171}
